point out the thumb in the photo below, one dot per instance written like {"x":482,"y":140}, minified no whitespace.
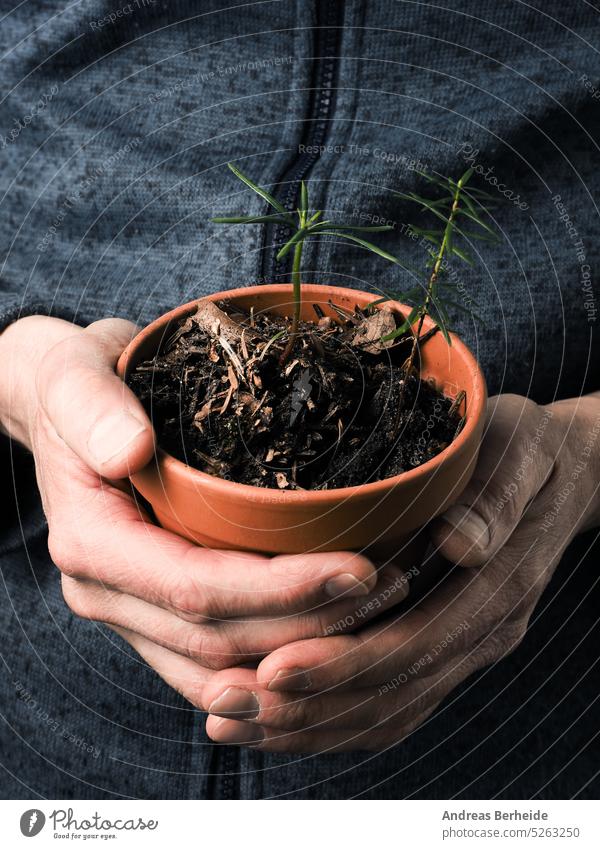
{"x":506,"y":480}
{"x":91,"y":409}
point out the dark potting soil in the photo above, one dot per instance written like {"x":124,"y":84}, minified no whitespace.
{"x":337,"y":413}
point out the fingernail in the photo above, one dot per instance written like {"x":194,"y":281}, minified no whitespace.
{"x":241,"y":703}
{"x":112,"y":435}
{"x":290,"y":679}
{"x":345,"y":584}
{"x":469,"y":523}
{"x":238,"y":733}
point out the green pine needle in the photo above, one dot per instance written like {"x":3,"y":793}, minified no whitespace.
{"x":429,"y":297}
{"x":302,"y":225}
{"x":455,"y":201}
{"x":264,"y":194}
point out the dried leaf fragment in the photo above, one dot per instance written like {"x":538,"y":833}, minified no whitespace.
{"x":282,"y":481}
{"x":370,"y":330}
{"x":203,"y":413}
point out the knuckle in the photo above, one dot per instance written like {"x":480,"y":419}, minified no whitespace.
{"x":59,"y":371}
{"x":416,"y":705}
{"x":79,"y":600}
{"x":195,"y":591}
{"x":180,"y":598}
{"x":193,"y":690}
{"x":195,"y":644}
{"x":110,"y":335}
{"x":294,"y":597}
{"x":189,"y":600}
{"x":382,"y":709}
{"x":291,"y":578}
{"x":455,"y":640}
{"x":514,"y":636}
{"x":488,"y":650}
{"x":220,"y":658}
{"x":49,"y":370}
{"x":77,"y":547}
{"x":520,"y":604}
{"x":212,"y":652}
{"x":547,"y":447}
{"x":502,"y":643}
{"x":360,"y":566}
{"x":300,"y":568}
{"x":300,"y":713}
{"x":324,"y":624}
{"x":42,"y":428}
{"x":517,"y":431}
{"x":65,"y":553}
{"x":288,"y":567}
{"x":374,"y":741}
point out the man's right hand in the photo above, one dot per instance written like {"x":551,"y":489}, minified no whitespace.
{"x":60,"y":396}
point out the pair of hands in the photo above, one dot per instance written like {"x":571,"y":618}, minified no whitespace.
{"x":326,"y":679}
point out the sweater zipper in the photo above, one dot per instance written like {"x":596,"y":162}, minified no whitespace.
{"x":329,"y":20}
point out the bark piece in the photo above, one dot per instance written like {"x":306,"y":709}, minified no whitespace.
{"x":368,"y":333}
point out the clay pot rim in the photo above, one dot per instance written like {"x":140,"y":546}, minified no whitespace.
{"x":171,"y":467}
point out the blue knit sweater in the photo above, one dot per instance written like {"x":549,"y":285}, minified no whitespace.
{"x":116,"y":121}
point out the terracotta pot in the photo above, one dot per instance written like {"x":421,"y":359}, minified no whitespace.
{"x":381,"y":518}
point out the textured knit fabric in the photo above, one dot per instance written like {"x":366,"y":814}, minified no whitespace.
{"x":116,"y":121}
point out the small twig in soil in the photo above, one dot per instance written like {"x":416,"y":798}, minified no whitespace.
{"x":232,"y":356}
{"x":457,"y":402}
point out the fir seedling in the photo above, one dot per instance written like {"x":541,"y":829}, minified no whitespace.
{"x":434,"y":297}
{"x":302,"y":224}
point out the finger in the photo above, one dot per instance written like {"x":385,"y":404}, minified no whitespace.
{"x":92,"y":410}
{"x":112,"y":543}
{"x":180,"y":673}
{"x":216,"y":646}
{"x":379,"y":718}
{"x":234,"y":733}
{"x":402,"y":699}
{"x":515,"y":462}
{"x":416,"y":643}
{"x":212,"y":648}
{"x":191,"y":680}
{"x":362,"y":708}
